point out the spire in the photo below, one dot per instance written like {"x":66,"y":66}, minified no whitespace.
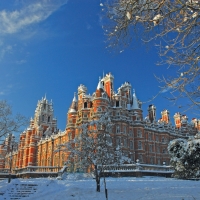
{"x":100,"y":85}
{"x":135,"y":101}
{"x":45,"y":96}
{"x":73,"y":106}
{"x":74,"y":99}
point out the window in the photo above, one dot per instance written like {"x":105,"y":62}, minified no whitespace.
{"x":151,"y":161}
{"x":85,"y":104}
{"x":139,"y":145}
{"x":150,"y":148}
{"x":99,"y":109}
{"x":150,"y":138}
{"x":163,"y":140}
{"x":124,"y":129}
{"x":125,"y":142}
{"x":117,"y":103}
{"x":158,"y":161}
{"x":132,"y":157}
{"x":49,"y":118}
{"x":140,"y":158}
{"x":131,"y":144}
{"x":43,"y":118}
{"x":164,"y":151}
{"x":139,"y":133}
{"x":117,"y":129}
{"x":157,"y":139}
{"x":158,"y":149}
{"x":130,"y":133}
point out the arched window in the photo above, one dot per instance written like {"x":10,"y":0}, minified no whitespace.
{"x":49,"y":118}
{"x":85,"y":104}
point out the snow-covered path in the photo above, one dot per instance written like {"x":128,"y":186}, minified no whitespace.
{"x":131,"y":188}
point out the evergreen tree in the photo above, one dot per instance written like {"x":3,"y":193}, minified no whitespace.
{"x":185,"y":157}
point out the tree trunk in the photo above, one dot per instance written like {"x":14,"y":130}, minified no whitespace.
{"x":97,"y":179}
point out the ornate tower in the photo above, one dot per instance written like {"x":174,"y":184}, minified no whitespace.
{"x":44,"y":117}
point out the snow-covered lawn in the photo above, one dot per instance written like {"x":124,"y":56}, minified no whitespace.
{"x":131,"y":188}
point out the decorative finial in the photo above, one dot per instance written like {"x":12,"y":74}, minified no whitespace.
{"x":45,"y":96}
{"x":133,"y":91}
{"x":99,"y":78}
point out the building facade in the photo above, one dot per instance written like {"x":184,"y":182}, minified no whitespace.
{"x":143,"y":138}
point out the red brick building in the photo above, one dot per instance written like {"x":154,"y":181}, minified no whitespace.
{"x":141,"y":138}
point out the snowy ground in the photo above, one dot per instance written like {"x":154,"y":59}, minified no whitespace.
{"x":79,"y":188}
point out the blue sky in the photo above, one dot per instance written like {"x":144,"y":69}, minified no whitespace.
{"x":52,"y":47}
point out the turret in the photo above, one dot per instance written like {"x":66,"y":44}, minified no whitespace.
{"x":73,"y":107}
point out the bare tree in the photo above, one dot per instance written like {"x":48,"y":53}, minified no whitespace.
{"x":93,"y":147}
{"x":9,"y":123}
{"x":174,"y":24}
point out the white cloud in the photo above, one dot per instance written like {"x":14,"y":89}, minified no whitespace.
{"x":22,"y":20}
{"x":20,"y":62}
{"x":14,"y":21}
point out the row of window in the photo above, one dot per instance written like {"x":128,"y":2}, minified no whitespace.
{"x":139,"y":134}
